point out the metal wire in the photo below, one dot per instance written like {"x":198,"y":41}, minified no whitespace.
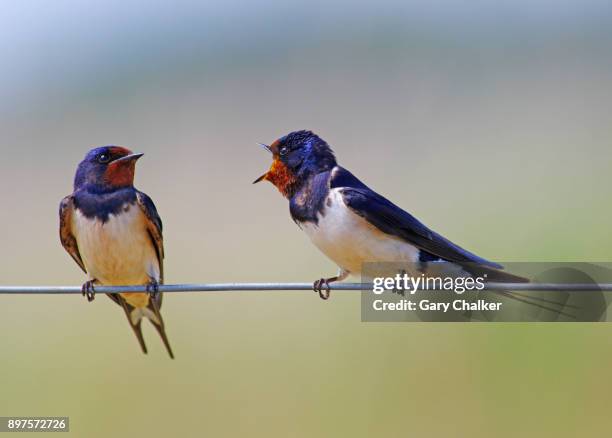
{"x":229,"y":287}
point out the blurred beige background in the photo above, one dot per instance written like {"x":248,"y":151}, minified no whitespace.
{"x":490,"y":122}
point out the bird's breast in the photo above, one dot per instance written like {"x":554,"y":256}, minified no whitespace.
{"x":117,"y":251}
{"x":350,"y":240}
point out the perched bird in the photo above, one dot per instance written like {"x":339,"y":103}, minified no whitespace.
{"x":351,"y":223}
{"x":113,"y":232}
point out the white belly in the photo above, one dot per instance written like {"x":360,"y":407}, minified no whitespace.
{"x":349,"y":240}
{"x":118,"y":251}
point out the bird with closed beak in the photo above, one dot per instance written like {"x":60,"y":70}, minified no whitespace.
{"x":114,"y":233}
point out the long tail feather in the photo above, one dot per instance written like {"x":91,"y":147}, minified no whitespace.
{"x":496,"y":275}
{"x":151,"y":312}
{"x":136,"y":326}
{"x":158,"y":323}
{"x":527,"y":300}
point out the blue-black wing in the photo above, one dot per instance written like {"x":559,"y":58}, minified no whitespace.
{"x":391,"y":219}
{"x":66,"y":236}
{"x":154,"y":228}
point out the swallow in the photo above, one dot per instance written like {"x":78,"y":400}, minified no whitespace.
{"x":351,"y":223}
{"x":114,"y":233}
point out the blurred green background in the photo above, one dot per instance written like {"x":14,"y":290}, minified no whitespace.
{"x":490,"y":121}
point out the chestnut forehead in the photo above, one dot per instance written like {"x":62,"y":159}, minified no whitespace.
{"x":275,"y":146}
{"x":119,"y":151}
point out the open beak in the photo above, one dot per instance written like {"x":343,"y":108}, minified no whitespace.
{"x":264,"y":176}
{"x":261,"y":178}
{"x":266,"y":147}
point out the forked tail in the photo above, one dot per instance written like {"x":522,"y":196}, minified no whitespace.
{"x":151,"y":312}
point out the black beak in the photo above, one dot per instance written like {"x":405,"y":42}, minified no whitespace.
{"x":261,"y":178}
{"x":131,"y":157}
{"x":266,"y":147}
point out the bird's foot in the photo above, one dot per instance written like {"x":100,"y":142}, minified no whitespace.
{"x":153,"y":289}
{"x":88,"y":290}
{"x":322,"y":287}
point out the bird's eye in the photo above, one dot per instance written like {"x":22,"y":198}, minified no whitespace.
{"x":103,"y":158}
{"x":283,"y":150}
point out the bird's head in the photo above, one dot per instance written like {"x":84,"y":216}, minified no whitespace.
{"x":107,"y":168}
{"x":296,"y":157}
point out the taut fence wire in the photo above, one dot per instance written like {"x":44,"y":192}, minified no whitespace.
{"x":261,"y":287}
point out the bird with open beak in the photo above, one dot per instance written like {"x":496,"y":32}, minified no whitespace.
{"x":114,"y":233}
{"x":351,"y":223}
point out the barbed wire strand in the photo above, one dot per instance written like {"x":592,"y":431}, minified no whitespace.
{"x":260,"y":287}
